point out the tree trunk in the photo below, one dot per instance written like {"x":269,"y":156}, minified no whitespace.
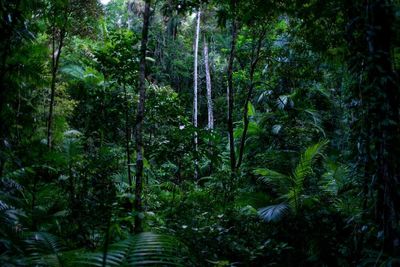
{"x":383,"y":99}
{"x":127,"y":138}
{"x":254,"y":60}
{"x":210,"y":112}
{"x":139,"y":120}
{"x":195,"y":95}
{"x":230,"y":95}
{"x":55,"y":59}
{"x":370,"y":41}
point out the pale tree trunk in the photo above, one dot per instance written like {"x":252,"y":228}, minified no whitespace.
{"x":230,"y":96}
{"x":139,"y":120}
{"x":210,"y":112}
{"x":195,"y":94}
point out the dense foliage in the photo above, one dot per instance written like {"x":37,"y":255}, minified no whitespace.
{"x":199,"y":133}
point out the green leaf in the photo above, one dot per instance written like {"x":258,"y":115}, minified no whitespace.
{"x":273,"y":213}
{"x":254,"y":128}
{"x":251,"y":111}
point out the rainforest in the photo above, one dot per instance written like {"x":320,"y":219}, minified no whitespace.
{"x":199,"y":133}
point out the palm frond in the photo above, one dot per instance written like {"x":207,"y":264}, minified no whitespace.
{"x":292,"y":196}
{"x":145,"y":249}
{"x":316,"y":120}
{"x":8,"y":184}
{"x":152,"y":249}
{"x":270,"y":177}
{"x":169,"y":186}
{"x":9,"y":216}
{"x":19,"y":173}
{"x":273,"y":213}
{"x":44,"y":249}
{"x":337,"y":179}
{"x":74,"y":71}
{"x":304,"y":167}
{"x":10,"y":235}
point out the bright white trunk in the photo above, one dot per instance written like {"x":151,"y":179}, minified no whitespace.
{"x":195,"y":77}
{"x":195,"y":89}
{"x":209,"y":90}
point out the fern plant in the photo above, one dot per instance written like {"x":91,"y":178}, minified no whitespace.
{"x":291,"y":186}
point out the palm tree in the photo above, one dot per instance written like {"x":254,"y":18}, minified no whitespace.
{"x":291,"y":187}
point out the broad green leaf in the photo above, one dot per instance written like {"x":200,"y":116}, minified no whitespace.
{"x":273,"y":213}
{"x":250,"y":109}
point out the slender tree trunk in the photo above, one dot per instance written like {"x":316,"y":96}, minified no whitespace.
{"x":55,"y":59}
{"x":139,"y":120}
{"x":33,"y":203}
{"x":210,"y":111}
{"x":254,"y":60}
{"x":2,"y":163}
{"x":127,"y":138}
{"x":230,"y":95}
{"x":195,"y":95}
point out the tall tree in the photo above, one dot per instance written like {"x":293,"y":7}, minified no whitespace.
{"x":255,"y":57}
{"x":139,"y":119}
{"x":127,"y":135}
{"x":66,"y":17}
{"x":210,"y":112}
{"x":58,"y":34}
{"x":17,"y":25}
{"x":371,"y":34}
{"x":195,"y":93}
{"x":230,"y":92}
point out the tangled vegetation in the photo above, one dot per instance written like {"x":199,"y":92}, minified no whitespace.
{"x":199,"y":133}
